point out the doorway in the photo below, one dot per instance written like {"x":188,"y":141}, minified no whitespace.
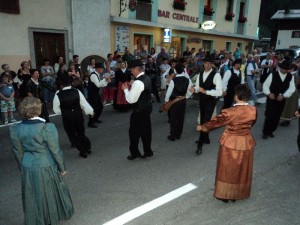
{"x":48,"y":45}
{"x":176,"y":47}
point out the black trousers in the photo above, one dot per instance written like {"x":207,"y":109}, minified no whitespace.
{"x":73,"y":123}
{"x":154,"y":89}
{"x":273,"y":112}
{"x":140,"y":127}
{"x":228,"y":100}
{"x":206,"y":111}
{"x":96,"y":103}
{"x":177,"y":112}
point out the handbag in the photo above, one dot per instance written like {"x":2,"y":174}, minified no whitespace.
{"x":167,"y":105}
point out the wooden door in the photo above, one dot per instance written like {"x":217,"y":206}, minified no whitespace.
{"x":48,"y":45}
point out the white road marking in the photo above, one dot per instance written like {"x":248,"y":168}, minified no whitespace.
{"x":126,"y":217}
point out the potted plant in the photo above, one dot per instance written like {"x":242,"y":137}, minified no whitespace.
{"x":242,"y":19}
{"x":208,"y":11}
{"x":229,"y":16}
{"x":179,"y":4}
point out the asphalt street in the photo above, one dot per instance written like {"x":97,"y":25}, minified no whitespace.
{"x":106,"y":185}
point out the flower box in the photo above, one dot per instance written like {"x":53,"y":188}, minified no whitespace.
{"x":208,"y":11}
{"x":229,"y":16}
{"x":242,"y":19}
{"x":179,"y":4}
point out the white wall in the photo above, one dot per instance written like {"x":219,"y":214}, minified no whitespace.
{"x":91,"y":27}
{"x":285,"y":39}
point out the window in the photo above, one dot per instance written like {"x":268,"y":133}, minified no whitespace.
{"x":296,"y":34}
{"x":206,"y":45}
{"x":11,"y":6}
{"x":242,"y":9}
{"x":228,"y":46}
{"x":240,"y":46}
{"x":207,"y":3}
{"x":143,"y":11}
{"x":229,"y":5}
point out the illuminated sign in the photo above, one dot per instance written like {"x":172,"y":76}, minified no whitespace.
{"x":208,"y":25}
{"x":167,"y":35}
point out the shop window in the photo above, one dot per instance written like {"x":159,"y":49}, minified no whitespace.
{"x":11,"y":6}
{"x":143,"y":11}
{"x":296,"y":34}
{"x":142,"y":42}
{"x":206,"y":45}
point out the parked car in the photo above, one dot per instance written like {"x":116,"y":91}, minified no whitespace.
{"x":294,"y":52}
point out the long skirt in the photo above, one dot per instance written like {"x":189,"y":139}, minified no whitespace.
{"x":290,"y":107}
{"x":45,"y":195}
{"x":234,"y":173}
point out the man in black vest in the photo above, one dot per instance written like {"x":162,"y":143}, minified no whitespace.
{"x":69,"y":102}
{"x":94,"y":98}
{"x":152,"y":71}
{"x":278,"y":86}
{"x":209,"y":86}
{"x":179,"y":86}
{"x":231,"y":78}
{"x":140,"y":123}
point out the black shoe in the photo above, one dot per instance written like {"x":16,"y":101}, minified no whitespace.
{"x":199,"y":150}
{"x":92,"y":125}
{"x":257,"y":103}
{"x":233,"y":200}
{"x":98,"y":121}
{"x":130,"y":157}
{"x":178,"y":137}
{"x":147,"y":155}
{"x":89,"y":151}
{"x":224,"y":200}
{"x":207,"y":141}
{"x":196,"y":142}
{"x":265,"y":136}
{"x":271,"y":135}
{"x":171,"y":138}
{"x":82,"y":154}
{"x":285,"y":123}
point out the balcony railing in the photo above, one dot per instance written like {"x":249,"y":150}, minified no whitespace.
{"x":205,"y":18}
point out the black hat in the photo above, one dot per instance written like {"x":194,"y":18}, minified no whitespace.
{"x":208,"y":59}
{"x":135,"y":63}
{"x":99,"y":65}
{"x":286,"y":65}
{"x":237,"y":61}
{"x":65,"y":79}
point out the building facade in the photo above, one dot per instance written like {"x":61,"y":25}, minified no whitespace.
{"x":34,"y":30}
{"x":143,"y":22}
{"x":287,"y":33}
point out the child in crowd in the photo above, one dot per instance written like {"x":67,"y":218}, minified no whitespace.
{"x":7,"y":99}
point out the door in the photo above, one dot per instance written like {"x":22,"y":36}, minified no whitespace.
{"x":206,"y":45}
{"x":48,"y":45}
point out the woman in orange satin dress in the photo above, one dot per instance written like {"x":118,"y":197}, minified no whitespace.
{"x":235,"y":160}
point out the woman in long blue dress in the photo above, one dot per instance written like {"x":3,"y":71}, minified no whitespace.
{"x":45,"y":195}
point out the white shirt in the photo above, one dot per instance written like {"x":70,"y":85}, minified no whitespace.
{"x":83,"y":103}
{"x":171,"y":87}
{"x":95,"y":78}
{"x":136,"y":89}
{"x":216,"y":81}
{"x":270,"y":62}
{"x":250,"y":68}
{"x":227,"y":76}
{"x":288,"y":93}
{"x":90,"y":69}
